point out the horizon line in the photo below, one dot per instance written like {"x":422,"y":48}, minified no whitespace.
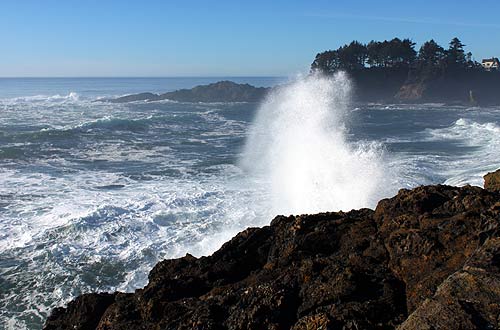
{"x":140,"y":77}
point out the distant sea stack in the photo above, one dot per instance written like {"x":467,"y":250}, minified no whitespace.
{"x":222,"y":91}
{"x":427,"y":258}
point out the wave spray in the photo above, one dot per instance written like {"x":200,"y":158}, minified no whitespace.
{"x":297,"y":148}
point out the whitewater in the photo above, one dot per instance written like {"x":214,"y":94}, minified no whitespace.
{"x":93,"y":195}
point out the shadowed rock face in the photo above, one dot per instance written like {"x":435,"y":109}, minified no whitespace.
{"x":466,"y":87}
{"x":427,"y":258}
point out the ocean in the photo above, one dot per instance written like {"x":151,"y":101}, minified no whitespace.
{"x":94,"y":194}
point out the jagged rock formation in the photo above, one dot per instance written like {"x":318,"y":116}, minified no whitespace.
{"x":428,"y":258}
{"x":222,"y":91}
{"x":492,"y":181}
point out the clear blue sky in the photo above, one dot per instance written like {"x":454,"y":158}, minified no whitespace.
{"x":220,"y":37}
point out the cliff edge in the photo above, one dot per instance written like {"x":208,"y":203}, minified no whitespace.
{"x":428,"y":258}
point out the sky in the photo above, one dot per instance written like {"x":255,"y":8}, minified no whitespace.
{"x":220,"y":37}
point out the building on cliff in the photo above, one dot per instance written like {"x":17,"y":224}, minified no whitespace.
{"x":491,"y":64}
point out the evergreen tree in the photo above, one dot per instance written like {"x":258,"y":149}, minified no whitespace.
{"x":353,"y":56}
{"x":431,"y":55}
{"x":407,"y":52}
{"x":326,"y":62}
{"x":374,"y":54}
{"x":456,"y":55}
{"x":395,"y":53}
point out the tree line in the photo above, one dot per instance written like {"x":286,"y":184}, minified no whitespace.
{"x":395,"y":53}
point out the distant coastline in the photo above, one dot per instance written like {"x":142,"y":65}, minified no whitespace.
{"x":394,"y":72}
{"x":378,"y":85}
{"x":383,"y":72}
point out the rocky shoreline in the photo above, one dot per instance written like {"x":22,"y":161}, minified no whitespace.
{"x":428,"y":258}
{"x":370,"y":85}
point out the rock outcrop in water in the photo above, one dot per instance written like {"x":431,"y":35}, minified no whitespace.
{"x":222,"y":91}
{"x":428,"y":258}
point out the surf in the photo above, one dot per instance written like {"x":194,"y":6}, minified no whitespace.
{"x":298,"y":146}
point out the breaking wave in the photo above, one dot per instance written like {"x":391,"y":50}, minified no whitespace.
{"x":71,"y":97}
{"x":482,"y":142}
{"x":298,"y":146}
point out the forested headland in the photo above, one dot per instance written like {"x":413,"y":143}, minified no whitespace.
{"x":394,"y":71}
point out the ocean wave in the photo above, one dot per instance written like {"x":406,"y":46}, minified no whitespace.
{"x":107,"y":240}
{"x":468,"y":132}
{"x":71,"y":97}
{"x":406,"y":107}
{"x":298,"y":146}
{"x":482,"y":143}
{"x":112,"y":123}
{"x":106,"y":123}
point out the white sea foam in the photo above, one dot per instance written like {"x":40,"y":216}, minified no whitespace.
{"x":298,"y":145}
{"x":468,"y":132}
{"x":483,"y":156}
{"x":73,"y":223}
{"x":94,"y":208}
{"x":77,"y":234}
{"x":71,"y":97}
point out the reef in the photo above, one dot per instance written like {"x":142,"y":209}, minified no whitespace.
{"x":428,"y":258}
{"x":222,"y":91}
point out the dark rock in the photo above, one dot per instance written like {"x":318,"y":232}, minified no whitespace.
{"x":492,"y":181}
{"x":85,"y":312}
{"x":404,"y":85}
{"x":427,"y":258}
{"x":463,"y":87}
{"x":222,"y":91}
{"x":468,"y":299}
{"x":377,"y":84}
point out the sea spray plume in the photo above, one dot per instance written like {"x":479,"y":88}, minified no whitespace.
{"x":297,"y":146}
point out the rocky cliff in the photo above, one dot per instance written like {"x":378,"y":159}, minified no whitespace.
{"x":378,"y":84}
{"x":399,"y":85}
{"x":383,"y":85}
{"x":428,"y":258}
{"x":473,"y":87}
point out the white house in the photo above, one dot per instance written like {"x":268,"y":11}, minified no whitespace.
{"x":491,"y":64}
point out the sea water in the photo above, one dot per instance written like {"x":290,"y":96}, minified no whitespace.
{"x":93,"y":194}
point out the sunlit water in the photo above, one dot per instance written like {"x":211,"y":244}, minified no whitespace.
{"x":92,"y":195}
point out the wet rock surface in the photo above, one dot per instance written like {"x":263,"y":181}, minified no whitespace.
{"x":428,"y":258}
